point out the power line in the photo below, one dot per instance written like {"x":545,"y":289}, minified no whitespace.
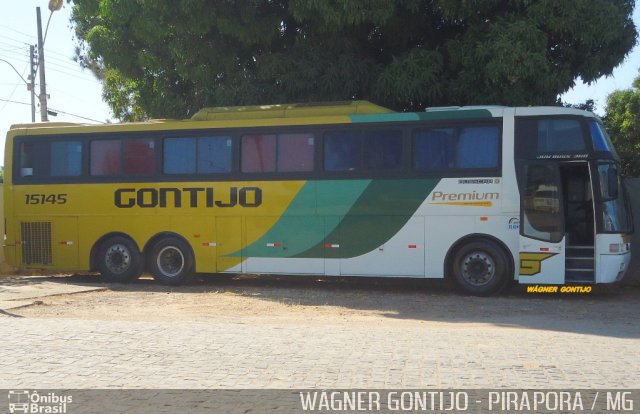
{"x":11,"y":96}
{"x":56,"y":111}
{"x":14,"y":30}
{"x":75,"y":76}
{"x":77,"y":116}
{"x":15,"y":102}
{"x":13,"y":39}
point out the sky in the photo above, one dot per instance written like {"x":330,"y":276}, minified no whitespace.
{"x":77,"y":95}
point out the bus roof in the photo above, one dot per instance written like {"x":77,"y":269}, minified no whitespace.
{"x":296,"y":110}
{"x":302,"y":114}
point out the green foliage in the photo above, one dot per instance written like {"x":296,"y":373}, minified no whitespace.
{"x":622,"y":120}
{"x":588,"y":105}
{"x":169,"y":59}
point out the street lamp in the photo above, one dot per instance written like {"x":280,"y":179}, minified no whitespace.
{"x":54,"y":5}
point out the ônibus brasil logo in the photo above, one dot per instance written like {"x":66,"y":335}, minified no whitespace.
{"x":24,"y":401}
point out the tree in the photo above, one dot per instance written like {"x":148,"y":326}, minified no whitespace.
{"x":622,"y":120}
{"x":169,"y":59}
{"x":588,"y":105}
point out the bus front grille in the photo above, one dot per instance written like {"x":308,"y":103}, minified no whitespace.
{"x":36,"y":243}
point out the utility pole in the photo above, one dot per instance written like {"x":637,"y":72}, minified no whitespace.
{"x":43,"y":84}
{"x":33,"y":64}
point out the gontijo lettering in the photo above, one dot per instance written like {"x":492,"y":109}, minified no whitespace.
{"x":187,"y":197}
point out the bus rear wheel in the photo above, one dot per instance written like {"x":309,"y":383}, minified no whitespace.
{"x":481,"y":268}
{"x":119,"y":260}
{"x":171,"y":261}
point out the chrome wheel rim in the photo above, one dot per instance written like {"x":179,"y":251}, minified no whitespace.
{"x":170,"y":261}
{"x":478,"y":268}
{"x":118,"y":258}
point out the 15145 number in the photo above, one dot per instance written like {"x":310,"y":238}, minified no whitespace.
{"x":45,"y":199}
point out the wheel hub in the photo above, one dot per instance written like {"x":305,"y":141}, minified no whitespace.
{"x":478,"y":268}
{"x":170,"y":261}
{"x":118,"y":258}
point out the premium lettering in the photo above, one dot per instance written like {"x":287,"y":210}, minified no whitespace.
{"x":472,"y":196}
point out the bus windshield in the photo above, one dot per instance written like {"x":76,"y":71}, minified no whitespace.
{"x":615,"y":212}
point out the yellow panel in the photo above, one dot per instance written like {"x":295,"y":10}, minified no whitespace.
{"x":64,"y":241}
{"x":142,"y":210}
{"x":200,"y":234}
{"x":229,"y":232}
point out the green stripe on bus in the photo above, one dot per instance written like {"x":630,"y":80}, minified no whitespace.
{"x":380,"y":212}
{"x":394,"y":117}
{"x":302,"y":224}
{"x":433,"y":115}
{"x":454,"y":114}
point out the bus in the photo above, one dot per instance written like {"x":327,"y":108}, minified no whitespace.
{"x":483,"y":195}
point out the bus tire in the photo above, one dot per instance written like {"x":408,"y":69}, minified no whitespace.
{"x":119,"y":260}
{"x":480,"y":268}
{"x":171,"y":261}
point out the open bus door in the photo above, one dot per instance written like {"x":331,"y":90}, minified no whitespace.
{"x":542,"y":236}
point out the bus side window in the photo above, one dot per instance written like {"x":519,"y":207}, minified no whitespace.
{"x":477,"y":147}
{"x":214,"y":154}
{"x":201,"y":155}
{"x":34,"y":159}
{"x":383,"y":150}
{"x":138,"y":156}
{"x":342,"y":151}
{"x":258,"y":153}
{"x":433,"y":149}
{"x":106,"y":157}
{"x":179,"y":156}
{"x":295,"y":152}
{"x":66,"y":159}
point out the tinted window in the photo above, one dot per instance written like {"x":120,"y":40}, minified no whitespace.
{"x":34,"y":159}
{"x":295,"y":152}
{"x":201,"y":155}
{"x":258,"y":153}
{"x":214,"y":154}
{"x":560,"y":135}
{"x":179,"y":155}
{"x":105,"y":157}
{"x":477,"y":147}
{"x":433,"y":149}
{"x":66,"y":159}
{"x":601,"y":141}
{"x":139,"y":156}
{"x":342,"y":151}
{"x":382,"y":150}
{"x":541,"y":203}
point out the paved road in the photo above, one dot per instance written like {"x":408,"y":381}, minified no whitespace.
{"x":514,"y":341}
{"x":88,"y":354}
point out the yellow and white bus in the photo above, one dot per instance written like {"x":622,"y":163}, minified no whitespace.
{"x":483,"y":195}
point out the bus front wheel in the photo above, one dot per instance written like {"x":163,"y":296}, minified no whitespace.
{"x":481,"y":268}
{"x":119,"y":260}
{"x":171,"y":261}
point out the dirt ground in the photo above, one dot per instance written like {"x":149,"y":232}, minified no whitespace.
{"x":291,"y":299}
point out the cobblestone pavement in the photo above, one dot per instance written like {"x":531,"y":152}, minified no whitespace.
{"x":553,"y":346}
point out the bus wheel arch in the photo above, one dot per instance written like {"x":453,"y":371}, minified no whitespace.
{"x":170,"y":258}
{"x":117,"y":257}
{"x":479,"y":264}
